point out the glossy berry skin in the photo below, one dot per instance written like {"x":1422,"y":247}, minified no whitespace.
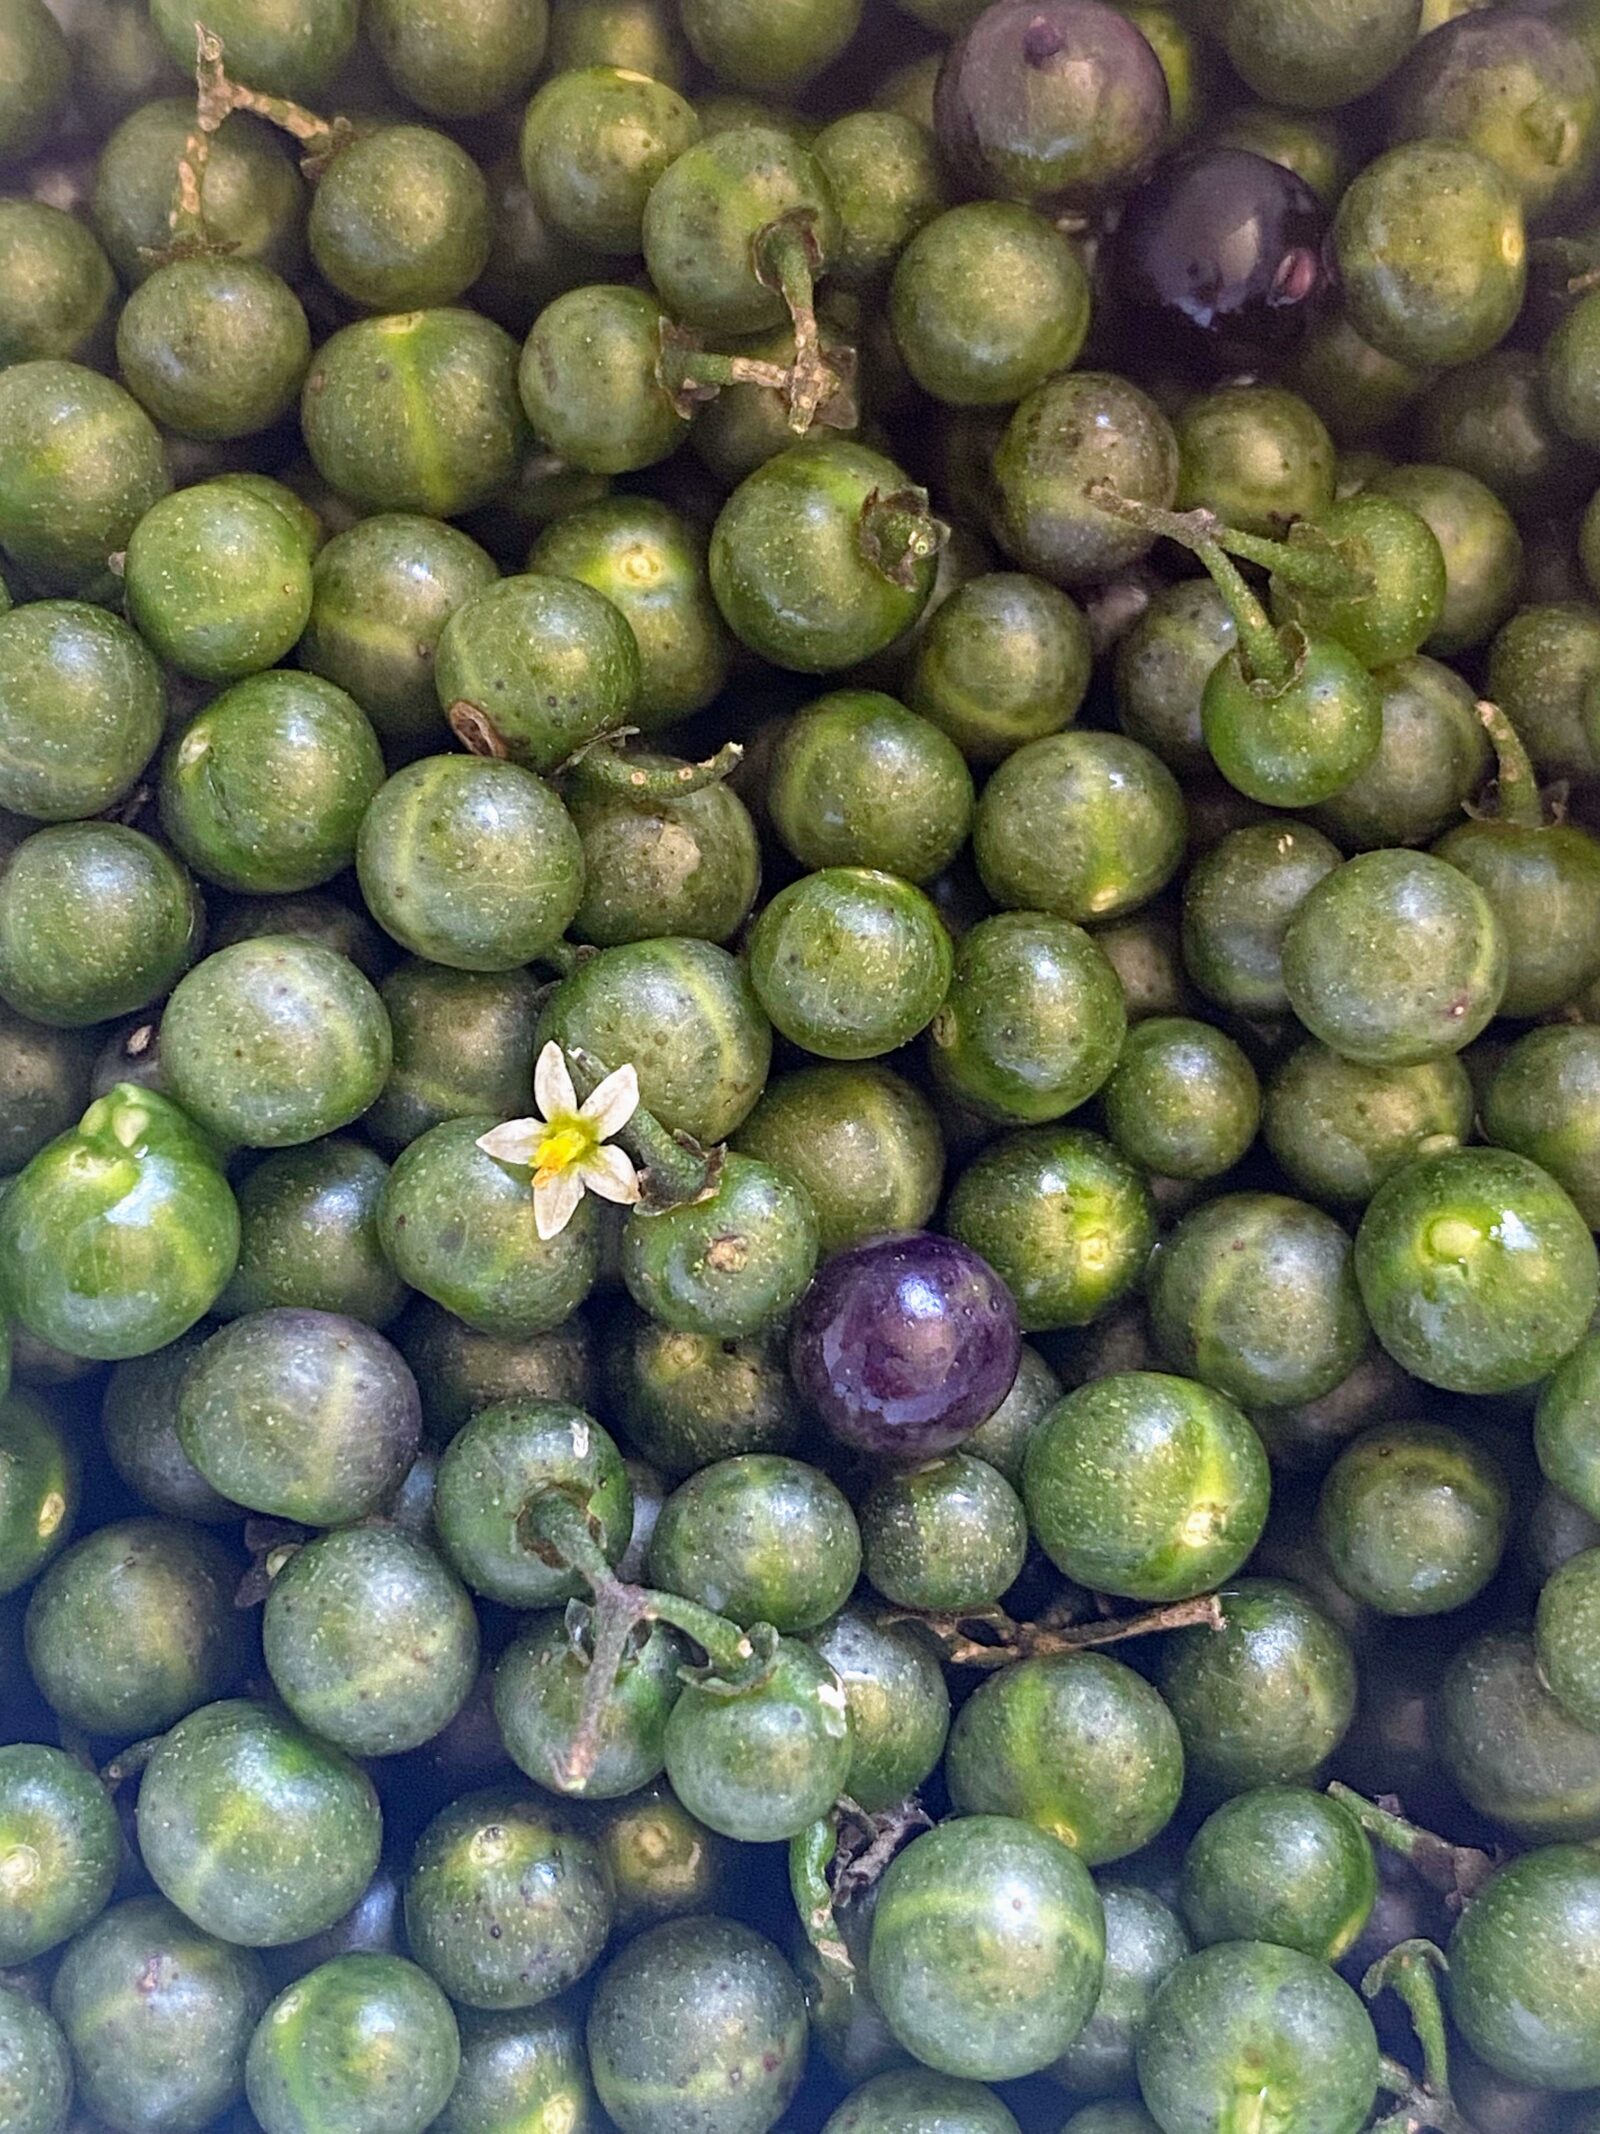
{"x":1146,"y":1485}
{"x":1294,"y":744}
{"x":1316,"y":64}
{"x":1266,"y":1699}
{"x":728,"y":1265}
{"x":504,"y":1906}
{"x":496,"y":1465}
{"x":1183,"y":1100}
{"x":149,"y":924}
{"x":258,"y":1832}
{"x":823,"y":556}
{"x":37,"y":74}
{"x":1544,"y":885}
{"x":133,"y":1626}
{"x":363,"y":2044}
{"x":1432,"y":253}
{"x":460,"y":58}
{"x":914,"y":2100}
{"x":1395,"y":958}
{"x":381,"y":593}
{"x":82,"y":708}
{"x":1074,"y":1743}
{"x":539,"y":1686}
{"x":252,"y":193}
{"x":1432,"y":757}
{"x":988,"y":1947}
{"x":1071,"y":433}
{"x":1521,"y":1969}
{"x":899,"y":1704}
{"x":274,"y":1042}
{"x":685,"y":1015}
{"x":1247,"y":2018}
{"x":265,"y":790}
{"x":60,"y":1849}
{"x":523,"y":2062}
{"x":370,"y":1640}
{"x":1004,"y":660}
{"x":1412,"y":1518}
{"x":987,"y":301}
{"x":1338,"y":1129}
{"x":214,"y":348}
{"x":762,"y":1759}
{"x":650,"y":562}
{"x":1563,"y":1438}
{"x":1403,"y":598}
{"x":1482,"y":550}
{"x":158,"y":2015}
{"x":218,"y":581}
{"x":1057,"y":105}
{"x":864,"y":1144}
{"x":1083,"y":825}
{"x":884,"y":174}
{"x":38,"y":1489}
{"x":309,"y":1235}
{"x":1564,"y":1634}
{"x":1162,"y":665}
{"x":760,"y":1538}
{"x":707,"y":211}
{"x":1033,"y":1022}
{"x":904,"y":1344}
{"x":1511,"y":1747}
{"x":858,"y":781}
{"x":1066,"y":1221}
{"x":686,"y":1400}
{"x":698,"y":2021}
{"x":1145,"y":1941}
{"x":400,"y":219}
{"x":523,"y":641}
{"x":1238,"y":902}
{"x":301,"y":1415}
{"x":415,"y":412}
{"x":949,"y":1535}
{"x":35,"y":2067}
{"x":850,"y":962}
{"x":589,"y":384}
{"x":1256,"y":455}
{"x":1182,"y":268}
{"x":594,"y":141}
{"x":1284,"y":1865}
{"x":293,"y":50}
{"x":80,"y":465}
{"x":127,"y":1285}
{"x":1477,"y":1271}
{"x":493,"y":911}
{"x":1255,"y":1294}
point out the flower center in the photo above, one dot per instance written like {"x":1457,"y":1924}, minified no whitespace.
{"x":565,"y":1142}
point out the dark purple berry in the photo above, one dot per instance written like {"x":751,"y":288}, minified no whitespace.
{"x":905,"y":1344}
{"x":1223,"y":249}
{"x":1055,"y":102}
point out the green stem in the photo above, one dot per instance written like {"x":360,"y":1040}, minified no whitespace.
{"x":1028,"y":1641}
{"x":1516,"y":787}
{"x":556,"y":1527}
{"x":1456,"y":1870}
{"x":675,"y":1169}
{"x":319,"y":137}
{"x":811,"y":1853}
{"x":786,"y":259}
{"x":1413,"y":1969}
{"x":609,"y":771}
{"x":1262,"y":651}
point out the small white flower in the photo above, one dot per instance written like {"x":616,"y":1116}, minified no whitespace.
{"x":565,"y":1148}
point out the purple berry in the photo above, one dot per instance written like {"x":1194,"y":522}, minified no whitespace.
{"x":1053,"y":102}
{"x":905,"y":1344}
{"x":1224,"y":249}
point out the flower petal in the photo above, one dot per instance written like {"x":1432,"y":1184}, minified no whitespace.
{"x":609,"y":1173}
{"x":555,"y":1202}
{"x":552,"y":1083}
{"x":514,"y":1142}
{"x":613,"y":1103}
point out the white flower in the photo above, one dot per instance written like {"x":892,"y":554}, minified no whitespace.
{"x":565,"y":1148}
